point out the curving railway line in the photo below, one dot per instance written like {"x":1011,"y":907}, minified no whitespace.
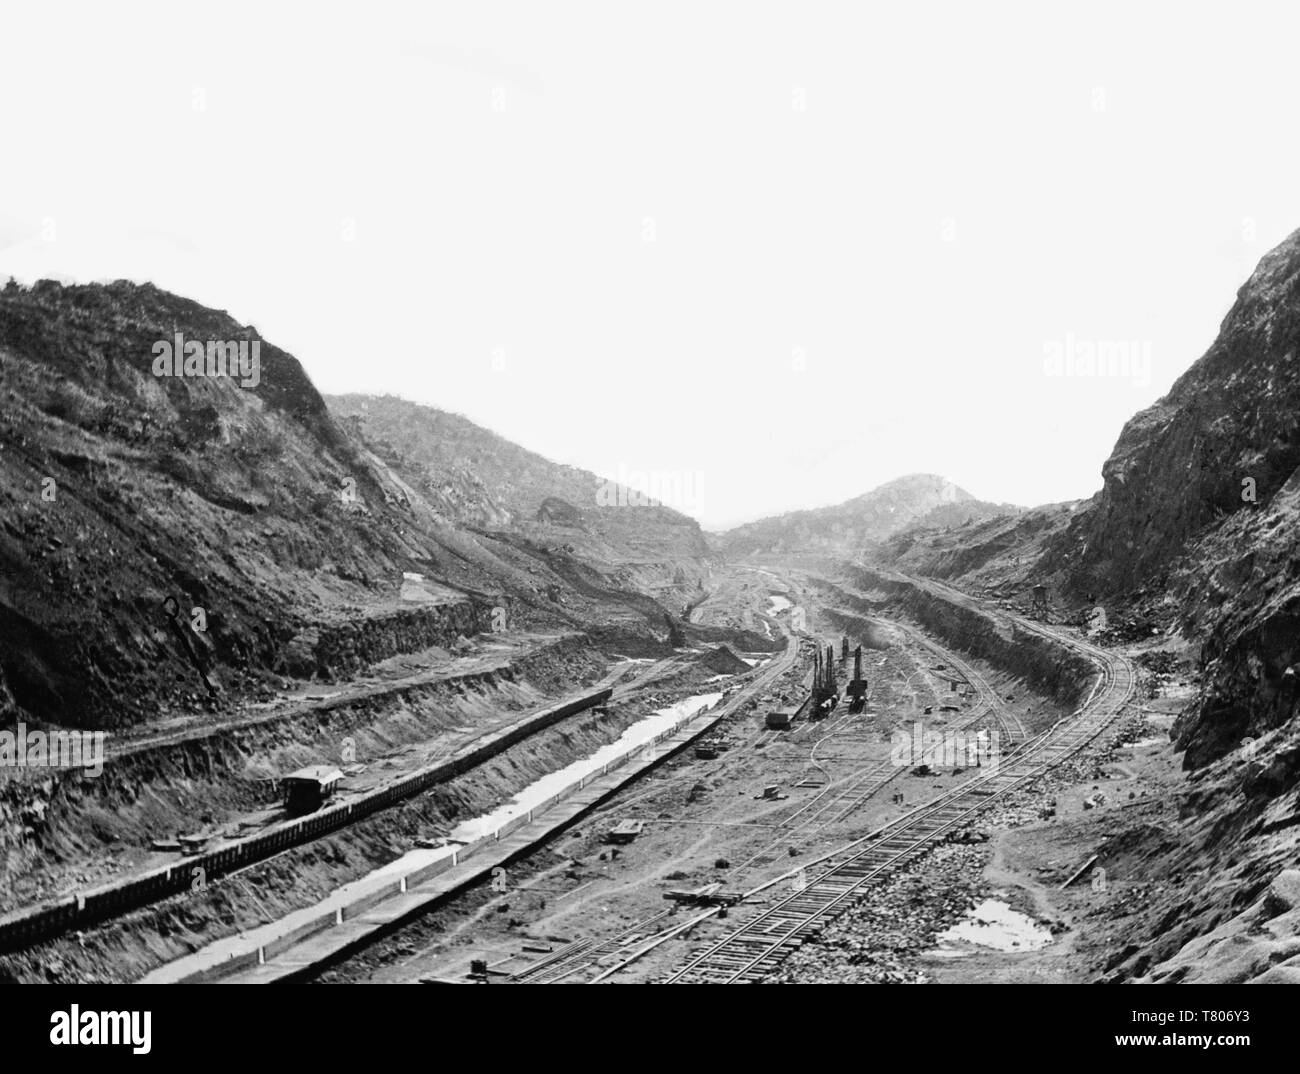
{"x":833,"y":804}
{"x":839,"y":799}
{"x":863,"y":785}
{"x":1009,"y":724}
{"x":757,"y":947}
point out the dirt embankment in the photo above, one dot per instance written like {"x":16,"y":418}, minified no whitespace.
{"x":1235,"y":831}
{"x":636,"y":639}
{"x":745,"y":640}
{"x":131,"y":946}
{"x":60,"y":829}
{"x":347,"y":648}
{"x":1047,"y":668}
{"x":125,"y":486}
{"x":999,"y":554}
{"x":862,"y":627}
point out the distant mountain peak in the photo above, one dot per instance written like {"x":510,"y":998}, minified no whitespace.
{"x":846,"y":527}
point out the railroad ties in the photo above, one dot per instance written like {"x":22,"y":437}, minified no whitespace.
{"x":582,"y":954}
{"x":837,"y":801}
{"x":755,"y":949}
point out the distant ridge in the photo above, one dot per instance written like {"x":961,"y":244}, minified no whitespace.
{"x":846,"y":527}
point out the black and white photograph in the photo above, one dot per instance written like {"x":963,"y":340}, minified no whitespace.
{"x":616,"y":493}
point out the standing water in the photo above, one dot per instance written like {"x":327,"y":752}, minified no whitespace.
{"x":534,"y":794}
{"x":994,"y":924}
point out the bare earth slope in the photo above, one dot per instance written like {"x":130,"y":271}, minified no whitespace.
{"x":120,"y":489}
{"x":479,"y":479}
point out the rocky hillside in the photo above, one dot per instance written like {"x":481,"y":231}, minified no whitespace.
{"x":998,"y":554}
{"x":135,"y":505}
{"x":1239,"y":592}
{"x":1193,"y":528}
{"x":1199,"y":509}
{"x":1225,"y":439}
{"x":847,"y":528}
{"x":477,"y":478}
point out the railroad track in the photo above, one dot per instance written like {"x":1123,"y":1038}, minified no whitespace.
{"x":783,"y":661}
{"x":1010,"y":727}
{"x":1012,"y":730}
{"x":755,"y":949}
{"x":695,"y":773}
{"x":839,"y":799}
{"x":862,"y":787}
{"x":581,"y":954}
{"x":783,"y":927}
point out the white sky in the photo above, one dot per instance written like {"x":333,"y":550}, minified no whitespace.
{"x":964,"y":187}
